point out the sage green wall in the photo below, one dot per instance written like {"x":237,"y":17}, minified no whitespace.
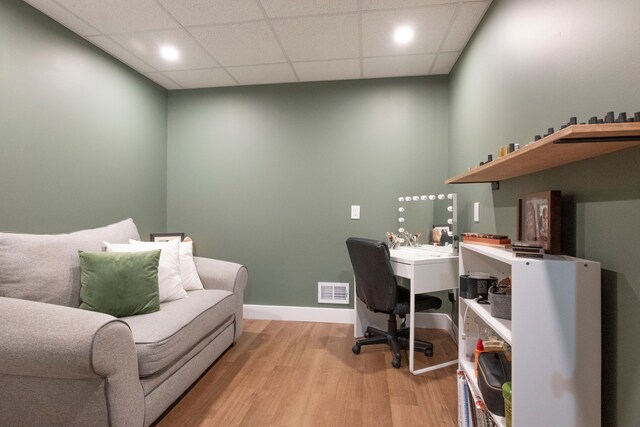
{"x":82,"y":136}
{"x":265,"y":175}
{"x":531,"y":65}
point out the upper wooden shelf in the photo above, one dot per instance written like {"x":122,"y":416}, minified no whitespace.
{"x":565,"y":146}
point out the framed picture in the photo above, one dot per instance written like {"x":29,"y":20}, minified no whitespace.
{"x":539,"y":219}
{"x":441,"y":235}
{"x":165,"y":237}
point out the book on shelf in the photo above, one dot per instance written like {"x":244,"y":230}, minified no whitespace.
{"x":527,"y":255}
{"x":527,"y":249}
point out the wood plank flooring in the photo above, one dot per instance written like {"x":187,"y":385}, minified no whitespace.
{"x":304,"y":374}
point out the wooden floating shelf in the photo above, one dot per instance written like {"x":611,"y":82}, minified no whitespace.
{"x":571,"y":144}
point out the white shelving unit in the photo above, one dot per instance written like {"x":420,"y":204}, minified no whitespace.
{"x":554,"y":334}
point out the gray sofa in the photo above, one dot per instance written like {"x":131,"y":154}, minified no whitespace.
{"x":60,"y":365}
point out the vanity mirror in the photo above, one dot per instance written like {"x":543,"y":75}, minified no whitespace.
{"x":428,"y":222}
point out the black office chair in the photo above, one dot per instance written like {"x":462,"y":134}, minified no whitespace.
{"x":376,"y":286}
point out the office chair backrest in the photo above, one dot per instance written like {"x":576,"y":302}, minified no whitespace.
{"x":376,"y":284}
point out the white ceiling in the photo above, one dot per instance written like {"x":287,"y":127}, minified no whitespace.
{"x":246,"y":42}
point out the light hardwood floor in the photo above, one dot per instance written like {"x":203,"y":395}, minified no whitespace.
{"x":304,"y":374}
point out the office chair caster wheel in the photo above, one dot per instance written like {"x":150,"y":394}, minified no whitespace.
{"x":396,"y":362}
{"x":356,"y":349}
{"x":428,"y":352}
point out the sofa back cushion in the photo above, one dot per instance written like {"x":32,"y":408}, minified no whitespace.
{"x":46,"y":267}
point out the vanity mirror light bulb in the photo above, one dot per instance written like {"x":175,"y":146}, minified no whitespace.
{"x":450,"y":208}
{"x":423,"y":197}
{"x":400,"y":219}
{"x":401,"y":199}
{"x":401,"y":240}
{"x":450,"y":221}
{"x":400,"y":209}
{"x":407,"y":198}
{"x":450,"y":196}
{"x":432,"y":197}
{"x":416,"y":198}
{"x":440,"y":196}
{"x":400,"y":230}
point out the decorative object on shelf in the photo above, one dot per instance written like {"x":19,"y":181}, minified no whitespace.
{"x":539,"y":219}
{"x":608,"y":118}
{"x":165,"y":237}
{"x":394,"y":241}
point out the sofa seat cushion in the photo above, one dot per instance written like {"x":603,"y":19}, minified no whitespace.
{"x":165,"y":336}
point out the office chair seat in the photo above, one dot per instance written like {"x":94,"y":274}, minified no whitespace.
{"x":377,"y":288}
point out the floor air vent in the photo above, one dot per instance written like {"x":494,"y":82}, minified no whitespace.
{"x":333,"y":293}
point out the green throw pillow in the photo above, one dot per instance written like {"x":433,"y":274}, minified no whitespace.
{"x":119,"y":283}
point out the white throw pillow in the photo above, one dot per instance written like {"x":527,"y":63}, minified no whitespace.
{"x":169,"y":281}
{"x":188,"y":272}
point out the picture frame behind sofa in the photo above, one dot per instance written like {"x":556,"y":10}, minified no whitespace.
{"x":165,"y":237}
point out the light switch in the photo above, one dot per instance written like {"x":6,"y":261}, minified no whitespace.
{"x":476,"y":212}
{"x":355,"y":211}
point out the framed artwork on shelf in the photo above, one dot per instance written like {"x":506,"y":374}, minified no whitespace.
{"x":165,"y":237}
{"x":539,"y":219}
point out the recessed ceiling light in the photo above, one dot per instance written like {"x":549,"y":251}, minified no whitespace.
{"x":169,"y":53}
{"x":403,"y":35}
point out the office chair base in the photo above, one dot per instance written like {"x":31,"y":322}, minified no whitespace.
{"x":396,"y":339}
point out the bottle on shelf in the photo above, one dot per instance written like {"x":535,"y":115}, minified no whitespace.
{"x":479,"y":349}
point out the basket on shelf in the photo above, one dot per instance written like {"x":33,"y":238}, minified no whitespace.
{"x":500,"y":304}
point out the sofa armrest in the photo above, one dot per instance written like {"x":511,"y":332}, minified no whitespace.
{"x":217,"y":274}
{"x":44,"y":344}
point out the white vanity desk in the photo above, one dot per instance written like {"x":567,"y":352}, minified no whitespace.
{"x":429,"y":271}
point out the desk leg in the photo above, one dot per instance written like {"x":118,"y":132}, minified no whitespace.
{"x":412,"y":336}
{"x":412,"y":328}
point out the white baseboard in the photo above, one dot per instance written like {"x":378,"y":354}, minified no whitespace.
{"x":336,"y":315}
{"x":298,"y":314}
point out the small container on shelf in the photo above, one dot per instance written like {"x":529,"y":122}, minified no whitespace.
{"x":506,"y":393}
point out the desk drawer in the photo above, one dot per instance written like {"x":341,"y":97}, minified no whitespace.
{"x":402,"y":270}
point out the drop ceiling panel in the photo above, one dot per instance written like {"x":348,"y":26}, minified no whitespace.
{"x":340,"y":69}
{"x":397,"y":66}
{"x":163,"y":80}
{"x":237,"y":42}
{"x":430,"y":24}
{"x":114,"y":49}
{"x":207,"y":12}
{"x":147,"y":47}
{"x":64,"y":17}
{"x":465,"y":22}
{"x":191,"y":79}
{"x":391,"y":4}
{"x":286,"y":8}
{"x":444,"y":62}
{"x":119,"y":16}
{"x":262,"y":74}
{"x":240,"y":44}
{"x":318,"y":38}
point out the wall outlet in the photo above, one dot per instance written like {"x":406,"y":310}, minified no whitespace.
{"x":355,"y":211}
